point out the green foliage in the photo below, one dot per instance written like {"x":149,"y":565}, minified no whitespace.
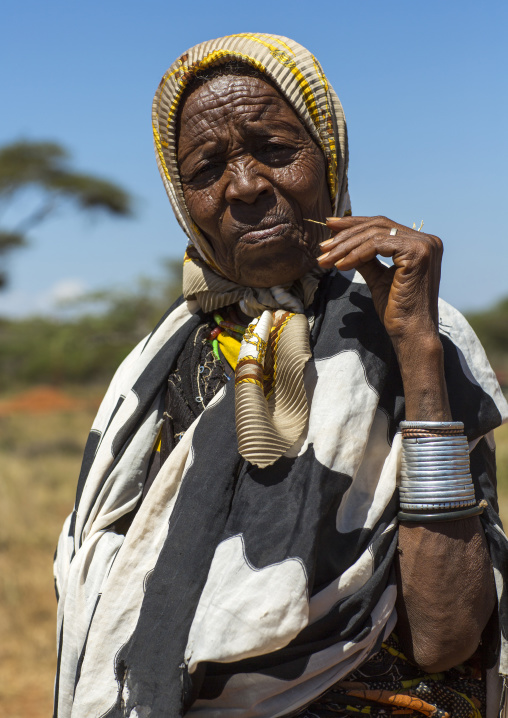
{"x":89,"y":348}
{"x":492,"y":328}
{"x":8,"y":242}
{"x":45,"y":166}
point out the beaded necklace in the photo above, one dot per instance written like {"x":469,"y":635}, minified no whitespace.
{"x":230,"y":327}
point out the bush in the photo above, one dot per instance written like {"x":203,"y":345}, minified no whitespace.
{"x":89,"y":348}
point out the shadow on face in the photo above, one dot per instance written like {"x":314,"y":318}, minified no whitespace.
{"x":251,"y":173}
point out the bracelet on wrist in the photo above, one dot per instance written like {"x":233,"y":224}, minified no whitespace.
{"x":445,"y":516}
{"x":435,"y":475}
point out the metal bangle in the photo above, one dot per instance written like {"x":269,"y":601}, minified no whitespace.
{"x":439,"y":469}
{"x":435,"y":441}
{"x":429,"y":433}
{"x":432,"y":425}
{"x":419,"y":480}
{"x":429,"y":427}
{"x":430,"y":448}
{"x":437,"y":481}
{"x":431,"y":499}
{"x":434,"y":491}
{"x":436,"y":507}
{"x":433,"y":461}
{"x":443,"y":472}
{"x":430,"y":458}
{"x":422,"y":480}
{"x":407,"y":494}
{"x":436,"y":475}
{"x":438,"y":486}
{"x":426,"y":485}
{"x":448,"y":516}
{"x":419,"y":489}
{"x":450,"y":455}
{"x":439,"y":505}
{"x":428,"y":475}
{"x":448,"y":501}
{"x":441,"y":461}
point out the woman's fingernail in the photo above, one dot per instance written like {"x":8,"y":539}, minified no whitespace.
{"x":323,"y":257}
{"x":339,"y":261}
{"x":329,"y":219}
{"x":326,"y":241}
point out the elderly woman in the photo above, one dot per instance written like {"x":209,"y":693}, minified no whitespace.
{"x":287,"y":501}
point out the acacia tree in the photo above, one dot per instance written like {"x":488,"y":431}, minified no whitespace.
{"x":46,"y":167}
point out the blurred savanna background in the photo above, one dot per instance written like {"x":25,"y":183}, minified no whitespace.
{"x":90,"y":256}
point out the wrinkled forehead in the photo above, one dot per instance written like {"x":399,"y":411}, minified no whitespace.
{"x":244,"y":101}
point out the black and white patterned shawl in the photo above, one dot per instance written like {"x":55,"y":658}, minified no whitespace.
{"x":256,"y":588}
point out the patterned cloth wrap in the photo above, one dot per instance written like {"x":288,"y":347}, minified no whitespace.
{"x":246,"y":587}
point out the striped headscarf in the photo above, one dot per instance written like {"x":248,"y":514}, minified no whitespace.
{"x":266,"y":426}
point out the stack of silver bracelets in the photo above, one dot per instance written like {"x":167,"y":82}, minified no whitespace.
{"x":435,"y":483}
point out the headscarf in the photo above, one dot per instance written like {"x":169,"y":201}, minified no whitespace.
{"x":277,"y":341}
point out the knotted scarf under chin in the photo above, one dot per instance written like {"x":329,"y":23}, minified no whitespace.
{"x":270,"y":400}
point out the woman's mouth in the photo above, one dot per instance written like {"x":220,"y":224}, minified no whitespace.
{"x":259,"y":235}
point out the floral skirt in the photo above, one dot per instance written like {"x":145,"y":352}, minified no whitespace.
{"x":388,"y":684}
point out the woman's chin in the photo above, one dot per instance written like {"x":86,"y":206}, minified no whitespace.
{"x":279,"y":268}
{"x":271,"y":277}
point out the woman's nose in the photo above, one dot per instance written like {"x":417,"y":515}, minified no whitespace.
{"x":245,"y":183}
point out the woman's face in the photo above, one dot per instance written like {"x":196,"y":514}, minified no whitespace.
{"x":250,"y":174}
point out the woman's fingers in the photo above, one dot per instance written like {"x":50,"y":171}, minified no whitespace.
{"x":363,"y":246}
{"x":364,"y":242}
{"x":338,"y":222}
{"x":346,"y":227}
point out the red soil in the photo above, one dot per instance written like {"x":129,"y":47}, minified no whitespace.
{"x":43,"y":400}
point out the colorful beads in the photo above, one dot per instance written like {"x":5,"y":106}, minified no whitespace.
{"x":227,"y":328}
{"x":231,"y":328}
{"x":214,"y":334}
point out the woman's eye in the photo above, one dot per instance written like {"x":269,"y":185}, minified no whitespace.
{"x":207,"y":172}
{"x":277,"y":153}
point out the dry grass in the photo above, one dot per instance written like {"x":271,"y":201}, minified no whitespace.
{"x":502,"y":471}
{"x":39,"y":462}
{"x":39,"y":459}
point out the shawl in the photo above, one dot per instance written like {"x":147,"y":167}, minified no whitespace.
{"x":249,"y":584}
{"x":253,"y":589}
{"x":267,"y":425}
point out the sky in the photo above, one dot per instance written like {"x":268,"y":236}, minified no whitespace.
{"x":423,"y":85}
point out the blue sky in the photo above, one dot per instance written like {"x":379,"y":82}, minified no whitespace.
{"x":423,"y":86}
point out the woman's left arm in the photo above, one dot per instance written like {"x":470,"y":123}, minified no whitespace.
{"x":446,"y":591}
